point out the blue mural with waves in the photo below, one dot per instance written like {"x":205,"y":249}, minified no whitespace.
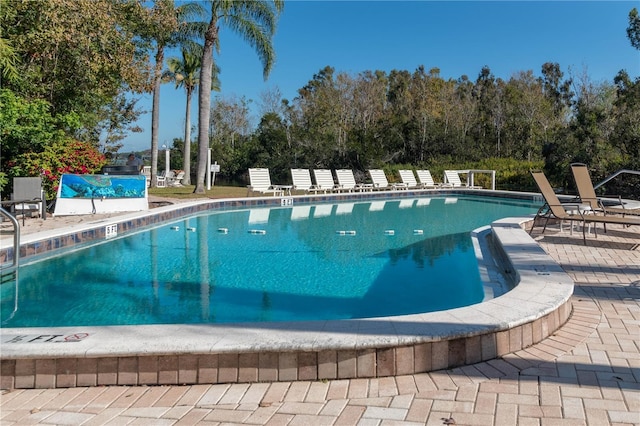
{"x":103,"y":186}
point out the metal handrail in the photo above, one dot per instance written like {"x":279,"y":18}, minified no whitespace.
{"x":619,"y":172}
{"x":16,"y":258}
{"x":16,"y":236}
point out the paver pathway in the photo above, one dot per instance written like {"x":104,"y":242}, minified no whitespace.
{"x":588,"y":373}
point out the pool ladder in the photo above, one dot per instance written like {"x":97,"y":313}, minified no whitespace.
{"x":16,"y":237}
{"x":10,"y":273}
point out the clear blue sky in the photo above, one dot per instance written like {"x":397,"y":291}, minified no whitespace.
{"x":456,"y":36}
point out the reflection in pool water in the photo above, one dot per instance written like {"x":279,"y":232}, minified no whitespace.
{"x":269,"y":264}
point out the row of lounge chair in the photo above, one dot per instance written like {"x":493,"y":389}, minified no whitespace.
{"x":586,"y":209}
{"x":260,"y":181}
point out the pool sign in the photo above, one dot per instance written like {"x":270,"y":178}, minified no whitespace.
{"x":43,"y":338}
{"x":111,"y":231}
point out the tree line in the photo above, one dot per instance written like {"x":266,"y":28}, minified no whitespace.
{"x":401,"y":119}
{"x":72,"y":71}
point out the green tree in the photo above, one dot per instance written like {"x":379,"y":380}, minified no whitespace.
{"x":185,"y":72}
{"x":255,"y":21}
{"x":26,"y":125}
{"x":8,"y":56}
{"x":633,"y":30}
{"x":167,"y":25}
{"x":322,"y":103}
{"x":627,"y":119}
{"x":558,"y":91}
{"x":75,"y":59}
{"x":117,"y":120}
{"x":593,"y":126}
{"x":530,"y":115}
{"x":75,"y":54}
{"x":270,"y":147}
{"x":230,"y":130}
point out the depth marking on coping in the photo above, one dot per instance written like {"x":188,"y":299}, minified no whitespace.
{"x":43,"y":338}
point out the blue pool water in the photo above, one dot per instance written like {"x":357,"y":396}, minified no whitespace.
{"x":307,"y":262}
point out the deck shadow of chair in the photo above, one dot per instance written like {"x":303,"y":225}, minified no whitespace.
{"x":324,"y":180}
{"x":260,"y":181}
{"x":28,"y":190}
{"x":553,"y":208}
{"x":587,"y":194}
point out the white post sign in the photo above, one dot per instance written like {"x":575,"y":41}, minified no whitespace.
{"x":211,"y":168}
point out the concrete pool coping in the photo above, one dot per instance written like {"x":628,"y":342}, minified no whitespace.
{"x":285,"y":351}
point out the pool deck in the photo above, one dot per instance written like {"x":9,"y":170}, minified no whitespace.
{"x":587,"y":373}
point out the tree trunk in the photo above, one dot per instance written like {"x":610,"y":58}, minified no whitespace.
{"x":186,"y":165}
{"x":155,"y":115}
{"x":204,"y":102}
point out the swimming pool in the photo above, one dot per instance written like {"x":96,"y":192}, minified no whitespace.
{"x":160,"y":354}
{"x":309,"y":262}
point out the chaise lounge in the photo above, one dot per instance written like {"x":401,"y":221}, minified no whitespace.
{"x":587,"y":193}
{"x":572,"y":212}
{"x":381,"y":183}
{"x":260,"y":181}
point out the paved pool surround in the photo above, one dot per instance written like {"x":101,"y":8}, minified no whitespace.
{"x":290,"y":351}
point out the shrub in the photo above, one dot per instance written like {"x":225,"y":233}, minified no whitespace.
{"x":68,"y":156}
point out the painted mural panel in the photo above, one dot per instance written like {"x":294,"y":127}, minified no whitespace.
{"x":102,"y":186}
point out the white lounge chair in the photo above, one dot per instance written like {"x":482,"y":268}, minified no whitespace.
{"x":301,"y":179}
{"x":426,"y":180}
{"x":409,"y":179}
{"x":347,"y":182}
{"x":260,"y":181}
{"x":380,"y":181}
{"x":176,"y":180}
{"x":452,"y":177}
{"x":146,"y":171}
{"x":324,"y":180}
{"x":163,"y":178}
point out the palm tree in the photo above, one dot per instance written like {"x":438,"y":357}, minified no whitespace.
{"x":253,"y":20}
{"x":185,"y":72}
{"x":169,"y":26}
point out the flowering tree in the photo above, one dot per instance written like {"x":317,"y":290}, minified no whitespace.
{"x":68,"y":156}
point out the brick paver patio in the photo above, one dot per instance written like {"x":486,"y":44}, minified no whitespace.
{"x":588,"y":373}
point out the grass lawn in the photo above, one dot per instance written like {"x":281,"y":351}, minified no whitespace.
{"x":186,"y":192}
